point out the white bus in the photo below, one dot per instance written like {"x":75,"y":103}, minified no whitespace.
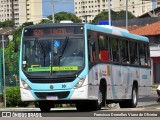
{"x":83,"y":64}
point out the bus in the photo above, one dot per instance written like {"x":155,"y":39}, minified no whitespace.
{"x":83,"y":64}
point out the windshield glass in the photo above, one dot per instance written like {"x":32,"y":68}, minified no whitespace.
{"x":53,"y":56}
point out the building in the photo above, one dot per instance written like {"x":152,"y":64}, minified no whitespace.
{"x":155,"y":4}
{"x":153,"y":13}
{"x":24,"y":11}
{"x":91,"y":8}
{"x":152,"y":31}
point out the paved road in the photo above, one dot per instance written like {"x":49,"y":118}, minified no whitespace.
{"x":148,"y":100}
{"x":146,"y":104}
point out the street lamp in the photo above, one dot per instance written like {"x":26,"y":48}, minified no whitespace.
{"x":4,"y":77}
{"x":127,"y":14}
{"x":109,"y":13}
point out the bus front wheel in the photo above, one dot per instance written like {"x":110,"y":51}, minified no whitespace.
{"x":44,"y":106}
{"x":101,"y":97}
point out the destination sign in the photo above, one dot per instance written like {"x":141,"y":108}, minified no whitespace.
{"x":46,"y":31}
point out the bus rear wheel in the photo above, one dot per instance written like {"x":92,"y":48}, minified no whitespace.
{"x":132,"y":103}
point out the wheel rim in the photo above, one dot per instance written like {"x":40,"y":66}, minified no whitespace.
{"x":134,"y":97}
{"x":99,"y":97}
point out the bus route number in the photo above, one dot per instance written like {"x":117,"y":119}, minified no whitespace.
{"x":38,"y":32}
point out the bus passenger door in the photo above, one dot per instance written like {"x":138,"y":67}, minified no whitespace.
{"x":93,"y":67}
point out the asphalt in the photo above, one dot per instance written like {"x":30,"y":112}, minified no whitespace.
{"x":147,"y":101}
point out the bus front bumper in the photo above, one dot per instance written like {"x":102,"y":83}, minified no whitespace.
{"x":69,"y":94}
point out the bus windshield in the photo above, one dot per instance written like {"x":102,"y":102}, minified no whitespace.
{"x":47,"y":56}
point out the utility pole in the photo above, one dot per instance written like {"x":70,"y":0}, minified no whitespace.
{"x":109,"y":13}
{"x":126,"y":14}
{"x":26,"y":12}
{"x":53,"y":11}
{"x":1,"y":79}
{"x":4,"y":77}
{"x":12,"y":9}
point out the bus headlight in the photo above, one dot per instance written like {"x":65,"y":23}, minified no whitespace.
{"x":25,"y":85}
{"x":80,"y":82}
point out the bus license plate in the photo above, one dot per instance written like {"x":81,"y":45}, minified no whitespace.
{"x":52,"y":98}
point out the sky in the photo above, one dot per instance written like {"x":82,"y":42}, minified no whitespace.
{"x":59,"y":6}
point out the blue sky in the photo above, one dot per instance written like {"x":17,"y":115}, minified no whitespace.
{"x":59,"y":6}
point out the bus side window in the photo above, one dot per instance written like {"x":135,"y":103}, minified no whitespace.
{"x":124,"y":51}
{"x":133,"y":53}
{"x":148,"y":55}
{"x":104,"y":55}
{"x":92,"y":46}
{"x":103,"y":48}
{"x":142,"y":54}
{"x":115,"y":49}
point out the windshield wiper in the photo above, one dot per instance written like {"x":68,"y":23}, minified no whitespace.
{"x":64,"y":46}
{"x":42,"y":49}
{"x":59,"y":54}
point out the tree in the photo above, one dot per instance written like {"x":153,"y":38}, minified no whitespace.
{"x":7,"y":23}
{"x":65,"y":16}
{"x":45,"y":21}
{"x":27,"y":24}
{"x":11,"y":57}
{"x":120,"y":15}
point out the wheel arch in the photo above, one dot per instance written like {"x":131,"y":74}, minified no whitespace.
{"x":103,"y":82}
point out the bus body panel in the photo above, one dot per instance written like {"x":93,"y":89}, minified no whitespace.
{"x":119,"y":80}
{"x":145,"y":82}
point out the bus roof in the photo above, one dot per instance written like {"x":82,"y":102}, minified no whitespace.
{"x":101,"y":28}
{"x":116,"y":31}
{"x":54,"y":24}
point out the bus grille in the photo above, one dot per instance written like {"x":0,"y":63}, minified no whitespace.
{"x":52,"y":80}
{"x":60,"y":95}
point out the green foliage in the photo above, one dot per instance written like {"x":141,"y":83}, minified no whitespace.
{"x":27,"y":24}
{"x":7,"y":23}
{"x":65,"y":16}
{"x":13,"y":98}
{"x":45,"y":21}
{"x":11,"y":59}
{"x":120,"y":15}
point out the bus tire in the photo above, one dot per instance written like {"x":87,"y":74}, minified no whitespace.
{"x":101,"y":97}
{"x":134,"y":99}
{"x":83,"y":106}
{"x":132,"y":103}
{"x":44,"y":107}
